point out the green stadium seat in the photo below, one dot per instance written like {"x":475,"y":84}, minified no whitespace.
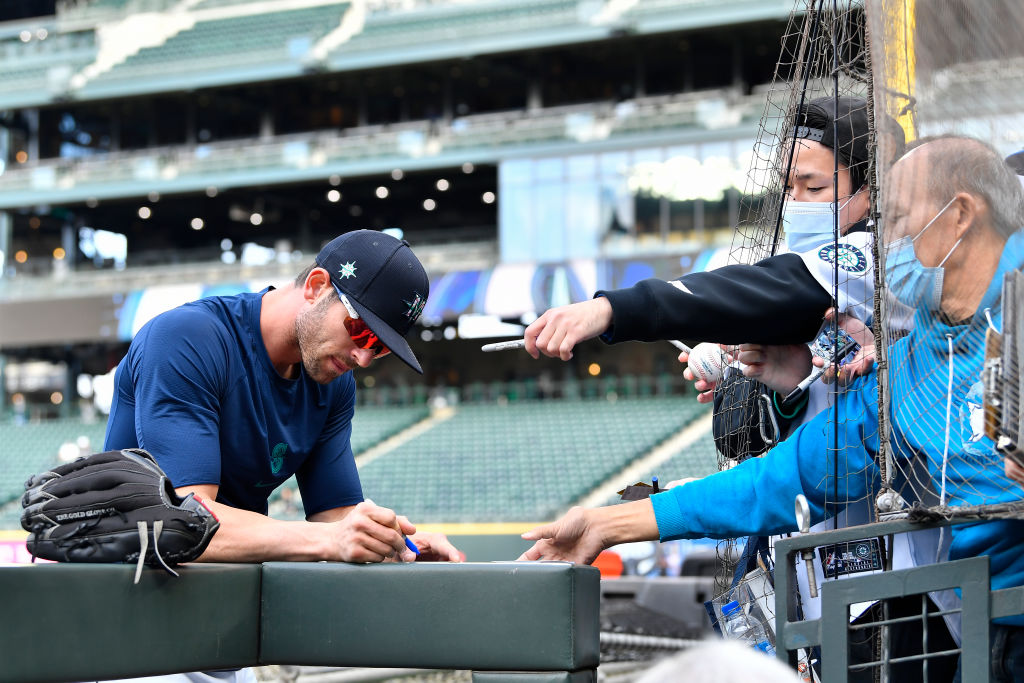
{"x":239,"y":40}
{"x":34,"y":447}
{"x":523,"y":461}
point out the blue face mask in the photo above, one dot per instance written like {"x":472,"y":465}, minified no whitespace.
{"x":808,"y":225}
{"x":909,"y":281}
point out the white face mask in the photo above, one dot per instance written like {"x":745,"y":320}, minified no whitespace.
{"x":809,"y":225}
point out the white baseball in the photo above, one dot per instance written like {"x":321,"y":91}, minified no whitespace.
{"x":707,"y":362}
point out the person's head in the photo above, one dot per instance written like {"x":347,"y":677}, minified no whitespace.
{"x":363,"y":294}
{"x":949,"y":206}
{"x":719,"y":661}
{"x":826,"y":130}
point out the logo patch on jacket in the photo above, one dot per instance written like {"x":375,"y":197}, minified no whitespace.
{"x":849,"y":258}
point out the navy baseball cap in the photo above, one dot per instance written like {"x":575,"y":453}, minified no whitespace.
{"x":383,"y":281}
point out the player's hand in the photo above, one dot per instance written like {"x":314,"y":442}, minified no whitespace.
{"x":558,"y":330}
{"x":570,"y":539}
{"x":1013,"y":470}
{"x":435,"y":547}
{"x":862,"y":362}
{"x":370,"y":533}
{"x":778,"y":367}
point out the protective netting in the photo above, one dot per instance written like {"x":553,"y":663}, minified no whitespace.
{"x":923,"y":259}
{"x":954,"y":207}
{"x":823,"y":70}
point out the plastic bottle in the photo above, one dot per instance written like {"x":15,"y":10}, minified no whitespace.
{"x":738,"y":626}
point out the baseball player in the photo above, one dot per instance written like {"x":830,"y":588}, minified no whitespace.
{"x":233,"y":395}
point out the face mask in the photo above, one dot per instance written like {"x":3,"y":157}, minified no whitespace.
{"x":909,"y":281}
{"x":808,"y":225}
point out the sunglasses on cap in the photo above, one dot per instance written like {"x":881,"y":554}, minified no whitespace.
{"x":362,"y":336}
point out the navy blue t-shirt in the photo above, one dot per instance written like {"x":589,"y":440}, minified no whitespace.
{"x":198,"y":391}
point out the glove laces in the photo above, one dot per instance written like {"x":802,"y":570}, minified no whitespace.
{"x":158,"y":527}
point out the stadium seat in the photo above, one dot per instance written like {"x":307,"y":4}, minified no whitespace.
{"x":523,"y":461}
{"x":35,"y":447}
{"x":239,"y":40}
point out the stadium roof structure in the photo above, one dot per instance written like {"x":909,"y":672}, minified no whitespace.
{"x":119,"y":48}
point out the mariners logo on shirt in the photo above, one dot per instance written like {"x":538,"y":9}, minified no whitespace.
{"x":277,"y":457}
{"x":849,"y":258}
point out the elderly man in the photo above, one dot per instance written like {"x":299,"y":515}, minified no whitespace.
{"x":953,"y":212}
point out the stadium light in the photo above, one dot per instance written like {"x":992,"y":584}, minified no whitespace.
{"x":145,"y":212}
{"x":211,"y":192}
{"x":429,"y":204}
{"x":488,"y":197}
{"x":197,"y":223}
{"x":21,"y":256}
{"x":92,"y":202}
{"x":382,"y":192}
{"x":256,"y":218}
{"x":442,"y":184}
{"x":593,"y":369}
{"x":397,"y":174}
{"x":334,"y":180}
{"x":154,"y":197}
{"x":467,"y":168}
{"x":59,"y":253}
{"x":333,"y":196}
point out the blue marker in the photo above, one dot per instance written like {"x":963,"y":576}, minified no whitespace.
{"x":410,"y":545}
{"x":654,"y":480}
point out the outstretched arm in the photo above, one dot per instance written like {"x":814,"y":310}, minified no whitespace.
{"x":775,"y":301}
{"x":582,"y":533}
{"x":359,"y":533}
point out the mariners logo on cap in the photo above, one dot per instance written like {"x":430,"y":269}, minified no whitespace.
{"x":347,"y":270}
{"x":415,"y":307}
{"x":848,"y":257}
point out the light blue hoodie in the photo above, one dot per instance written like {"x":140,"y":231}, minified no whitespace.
{"x":756,"y":497}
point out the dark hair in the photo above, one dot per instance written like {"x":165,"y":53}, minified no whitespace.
{"x":843,"y":122}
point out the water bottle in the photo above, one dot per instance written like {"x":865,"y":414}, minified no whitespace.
{"x":738,"y":626}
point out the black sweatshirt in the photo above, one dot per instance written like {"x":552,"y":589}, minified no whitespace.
{"x":774,"y":301}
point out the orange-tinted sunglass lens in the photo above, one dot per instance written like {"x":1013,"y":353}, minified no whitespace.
{"x":364,"y":338}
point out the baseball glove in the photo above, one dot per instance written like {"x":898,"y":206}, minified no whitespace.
{"x":116,"y":506}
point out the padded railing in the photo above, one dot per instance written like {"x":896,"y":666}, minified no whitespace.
{"x":518,"y":621}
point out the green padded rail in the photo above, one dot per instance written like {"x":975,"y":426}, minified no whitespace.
{"x":73,"y":622}
{"x":536,"y":618}
{"x":586,"y":676}
{"x":488,"y":616}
